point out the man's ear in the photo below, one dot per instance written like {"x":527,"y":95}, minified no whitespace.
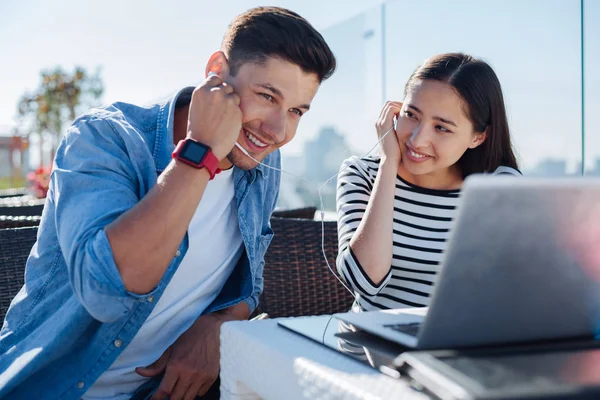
{"x":478,"y":139}
{"x":218,"y":64}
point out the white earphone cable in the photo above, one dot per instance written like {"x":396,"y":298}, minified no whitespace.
{"x":322,"y":211}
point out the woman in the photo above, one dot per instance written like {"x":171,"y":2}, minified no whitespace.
{"x":395,"y":210}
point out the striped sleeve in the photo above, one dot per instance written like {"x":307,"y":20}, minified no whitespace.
{"x":354,"y":188}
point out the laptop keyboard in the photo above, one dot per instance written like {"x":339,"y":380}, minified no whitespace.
{"x":411,"y":329}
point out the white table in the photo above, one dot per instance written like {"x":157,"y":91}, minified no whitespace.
{"x":259,"y":359}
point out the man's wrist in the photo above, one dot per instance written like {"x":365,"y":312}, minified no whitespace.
{"x":189,"y":171}
{"x":238,"y":312}
{"x":212,"y":320}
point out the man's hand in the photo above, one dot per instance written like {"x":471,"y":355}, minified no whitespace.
{"x":191,"y":364}
{"x":215,"y":118}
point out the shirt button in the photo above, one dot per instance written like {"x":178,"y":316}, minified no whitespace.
{"x":118,"y":343}
{"x":80,"y":385}
{"x":150,"y":299}
{"x":178,"y":253}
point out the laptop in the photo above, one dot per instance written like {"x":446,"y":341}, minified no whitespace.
{"x":522,"y":264}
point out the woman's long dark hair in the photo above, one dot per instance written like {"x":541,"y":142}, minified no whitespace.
{"x":477,"y":84}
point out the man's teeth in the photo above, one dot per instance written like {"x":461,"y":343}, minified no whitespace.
{"x":416,"y":155}
{"x":255,"y":140}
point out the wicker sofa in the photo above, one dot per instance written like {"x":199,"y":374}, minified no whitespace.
{"x":297,"y":280}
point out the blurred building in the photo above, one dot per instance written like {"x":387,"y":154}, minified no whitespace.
{"x":549,"y":167}
{"x":14,"y":154}
{"x":596,"y":169}
{"x":324,"y":155}
{"x":319,"y":162}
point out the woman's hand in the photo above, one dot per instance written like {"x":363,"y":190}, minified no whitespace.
{"x":390,"y":146}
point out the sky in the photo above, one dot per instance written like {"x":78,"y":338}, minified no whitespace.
{"x":149,"y":49}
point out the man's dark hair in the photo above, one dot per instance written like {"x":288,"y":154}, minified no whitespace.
{"x":264,"y":32}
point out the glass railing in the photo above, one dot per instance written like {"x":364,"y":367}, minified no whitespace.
{"x":535,"y":47}
{"x":341,"y":120}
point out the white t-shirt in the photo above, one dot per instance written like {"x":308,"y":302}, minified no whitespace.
{"x":215,"y":246}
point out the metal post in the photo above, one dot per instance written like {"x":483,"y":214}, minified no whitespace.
{"x":383,"y":80}
{"x":582,"y":93}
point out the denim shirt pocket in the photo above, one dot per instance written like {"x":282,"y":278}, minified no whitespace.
{"x":264,"y":240}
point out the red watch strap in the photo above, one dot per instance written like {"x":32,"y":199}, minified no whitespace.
{"x":209,"y":161}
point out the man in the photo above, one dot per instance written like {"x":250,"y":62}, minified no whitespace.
{"x":144,"y":251}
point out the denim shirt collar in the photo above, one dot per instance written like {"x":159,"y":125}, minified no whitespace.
{"x":164,"y":146}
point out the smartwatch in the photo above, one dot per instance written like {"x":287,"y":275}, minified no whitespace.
{"x":197,"y":155}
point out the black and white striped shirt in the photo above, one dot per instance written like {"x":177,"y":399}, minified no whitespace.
{"x":422,"y":221}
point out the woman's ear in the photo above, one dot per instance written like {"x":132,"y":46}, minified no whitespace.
{"x":218,"y":64}
{"x":478,"y":138}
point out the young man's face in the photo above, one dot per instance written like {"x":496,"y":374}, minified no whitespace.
{"x":273,"y":98}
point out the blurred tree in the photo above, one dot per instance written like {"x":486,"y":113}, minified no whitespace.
{"x":60,"y":97}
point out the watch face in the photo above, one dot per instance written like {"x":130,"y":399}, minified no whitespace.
{"x":193,"y":152}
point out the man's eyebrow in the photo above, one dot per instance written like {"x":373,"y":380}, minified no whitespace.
{"x":278,"y":93}
{"x":273,"y":89}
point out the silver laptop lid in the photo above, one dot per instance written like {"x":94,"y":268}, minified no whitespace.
{"x":522,"y":263}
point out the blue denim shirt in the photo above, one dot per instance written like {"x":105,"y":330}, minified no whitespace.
{"x":74,"y":316}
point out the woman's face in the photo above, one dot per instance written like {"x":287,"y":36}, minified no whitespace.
{"x":434,"y":130}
